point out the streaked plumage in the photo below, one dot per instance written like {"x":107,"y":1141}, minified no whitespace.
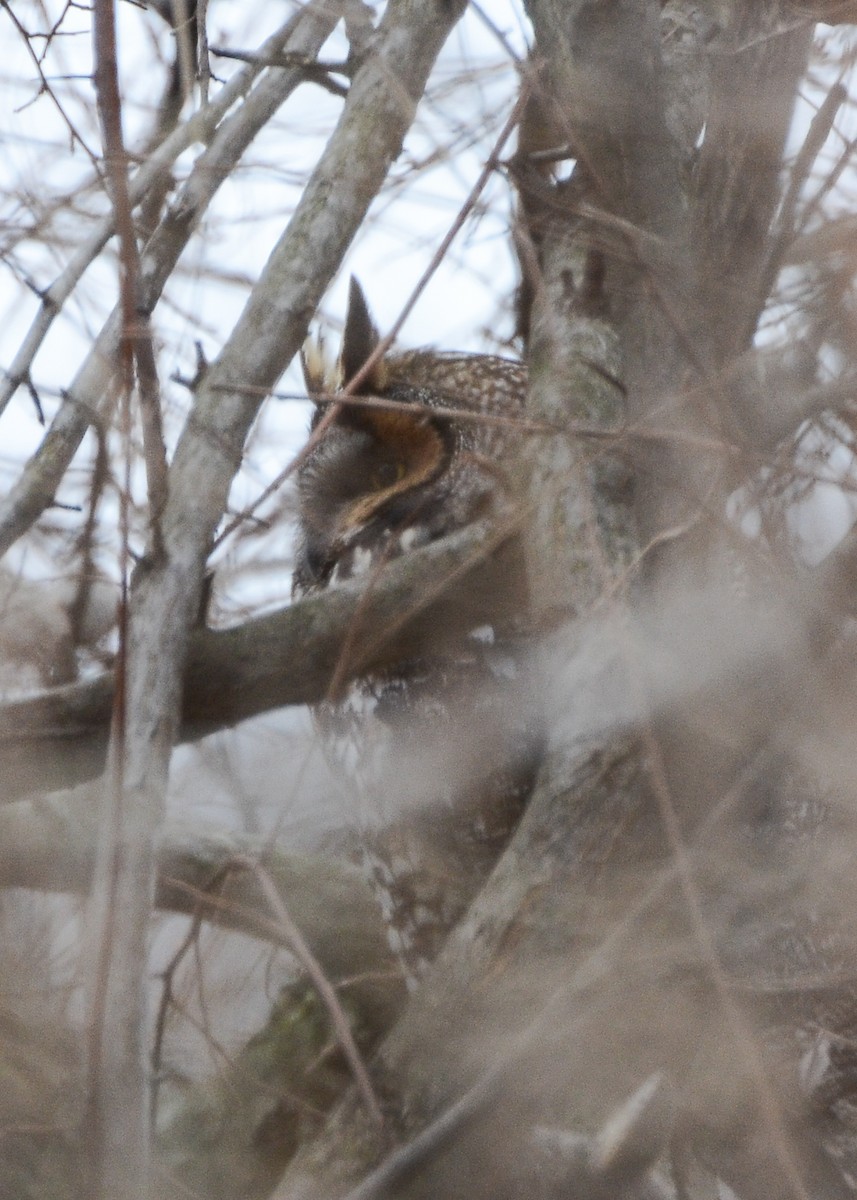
{"x":438,"y":743}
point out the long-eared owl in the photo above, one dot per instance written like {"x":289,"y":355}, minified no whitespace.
{"x":438,"y":743}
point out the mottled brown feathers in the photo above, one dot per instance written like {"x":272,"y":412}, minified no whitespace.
{"x":437,"y":739}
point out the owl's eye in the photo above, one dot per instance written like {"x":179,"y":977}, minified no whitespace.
{"x":386,"y":474}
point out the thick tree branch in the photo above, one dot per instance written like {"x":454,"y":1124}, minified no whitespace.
{"x":59,"y":738}
{"x":757,"y":64}
{"x":168,"y":583}
{"x":49,"y":844}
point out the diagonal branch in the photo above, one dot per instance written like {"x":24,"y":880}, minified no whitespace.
{"x":82,"y":405}
{"x":287,"y":657}
{"x":295,"y":941}
{"x":198,"y":128}
{"x":49,"y":844}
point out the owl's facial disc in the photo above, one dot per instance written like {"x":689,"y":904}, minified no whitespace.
{"x":407,"y":452}
{"x":370,"y":468}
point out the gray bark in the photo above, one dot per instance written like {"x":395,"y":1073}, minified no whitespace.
{"x":168,"y":585}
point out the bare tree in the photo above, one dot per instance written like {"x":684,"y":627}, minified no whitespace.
{"x":652,"y":993}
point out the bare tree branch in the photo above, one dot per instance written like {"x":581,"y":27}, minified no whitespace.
{"x":758,"y":63}
{"x":295,"y":941}
{"x":36,"y":487}
{"x":329,"y":901}
{"x":115,"y":1125}
{"x":286,"y":657}
{"x":200,"y":127}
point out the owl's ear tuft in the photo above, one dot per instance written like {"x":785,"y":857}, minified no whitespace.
{"x":359,"y":341}
{"x":318,"y":372}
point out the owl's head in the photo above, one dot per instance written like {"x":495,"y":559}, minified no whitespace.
{"x":406,"y":459}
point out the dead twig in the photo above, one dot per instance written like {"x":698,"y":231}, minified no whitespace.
{"x":322,"y":985}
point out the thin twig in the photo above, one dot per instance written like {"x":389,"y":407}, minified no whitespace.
{"x":315,"y":71}
{"x":45,"y":87}
{"x":785,"y":229}
{"x":491,"y":165}
{"x":577,"y":429}
{"x":107,"y":1122}
{"x":37,"y":484}
{"x":167,"y":993}
{"x":198,"y":128}
{"x":327,"y":993}
{"x":450,"y":1123}
{"x":135,"y":345}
